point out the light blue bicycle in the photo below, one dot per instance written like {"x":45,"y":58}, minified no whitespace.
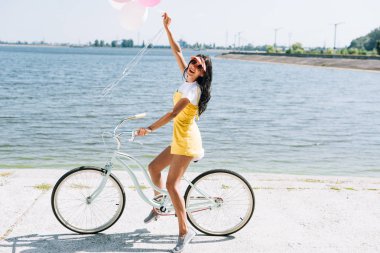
{"x":89,"y":199}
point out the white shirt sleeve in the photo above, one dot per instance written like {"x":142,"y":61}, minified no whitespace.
{"x":192,"y":93}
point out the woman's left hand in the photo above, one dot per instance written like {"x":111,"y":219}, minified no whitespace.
{"x":166,"y":20}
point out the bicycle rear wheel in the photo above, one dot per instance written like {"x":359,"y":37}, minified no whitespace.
{"x":72,"y":208}
{"x":229,"y":204}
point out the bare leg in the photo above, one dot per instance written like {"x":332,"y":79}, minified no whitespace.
{"x":157,"y":165}
{"x":178,"y":166}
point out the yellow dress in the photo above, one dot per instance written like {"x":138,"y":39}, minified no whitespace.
{"x":186,"y":136}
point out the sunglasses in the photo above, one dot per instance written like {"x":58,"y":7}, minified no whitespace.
{"x":197,"y":65}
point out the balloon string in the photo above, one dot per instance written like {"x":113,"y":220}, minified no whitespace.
{"x":158,"y":10}
{"x":131,"y":65}
{"x":135,"y":60}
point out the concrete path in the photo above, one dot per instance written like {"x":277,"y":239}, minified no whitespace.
{"x":293,"y":214}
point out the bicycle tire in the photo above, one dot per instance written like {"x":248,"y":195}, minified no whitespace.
{"x":214,"y":215}
{"x":77,"y":189}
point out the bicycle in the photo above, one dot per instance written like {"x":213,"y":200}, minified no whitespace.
{"x":90,"y":199}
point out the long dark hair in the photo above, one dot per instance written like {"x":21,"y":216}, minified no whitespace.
{"x":204,"y":83}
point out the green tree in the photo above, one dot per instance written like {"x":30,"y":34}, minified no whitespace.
{"x":329,"y":51}
{"x":343,"y":51}
{"x":114,"y":43}
{"x":359,"y":42}
{"x":127,"y":43}
{"x":248,"y":47}
{"x":269,"y":49}
{"x":96,"y":43}
{"x":362,"y":52}
{"x":315,"y":51}
{"x":101,"y":43}
{"x":353,"y":51}
{"x":374,"y":36}
{"x":297,"y":48}
{"x":183,"y":44}
{"x":367,"y":42}
{"x":378,"y":47}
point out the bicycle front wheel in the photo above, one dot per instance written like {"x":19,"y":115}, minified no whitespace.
{"x":221,"y":202}
{"x":72,"y":207}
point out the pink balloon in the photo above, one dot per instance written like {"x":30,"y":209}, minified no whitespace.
{"x":133,"y":15}
{"x":149,"y":3}
{"x":121,"y":1}
{"x":116,"y":5}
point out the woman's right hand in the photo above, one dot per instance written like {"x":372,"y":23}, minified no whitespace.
{"x":166,"y":20}
{"x":143,"y":131}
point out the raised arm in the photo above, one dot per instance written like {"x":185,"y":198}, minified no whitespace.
{"x":176,"y":49}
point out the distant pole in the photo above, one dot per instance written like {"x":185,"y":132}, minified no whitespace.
{"x":226,"y":45}
{"x":235,"y":41}
{"x":275,"y":36}
{"x":239,"y":35}
{"x":335,"y":28}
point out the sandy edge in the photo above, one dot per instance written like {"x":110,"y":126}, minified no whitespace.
{"x":351,"y":64}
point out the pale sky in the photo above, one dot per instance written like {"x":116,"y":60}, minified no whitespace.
{"x":206,"y":21}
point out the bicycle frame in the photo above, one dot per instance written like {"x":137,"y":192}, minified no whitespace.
{"x":120,"y":158}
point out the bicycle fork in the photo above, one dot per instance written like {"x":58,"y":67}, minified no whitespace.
{"x":107,"y":172}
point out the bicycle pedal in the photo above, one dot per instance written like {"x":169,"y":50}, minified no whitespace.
{"x":158,"y":198}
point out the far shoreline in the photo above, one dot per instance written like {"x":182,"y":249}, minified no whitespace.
{"x":371,"y":65}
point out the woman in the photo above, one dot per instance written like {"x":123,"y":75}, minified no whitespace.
{"x":190,"y":101}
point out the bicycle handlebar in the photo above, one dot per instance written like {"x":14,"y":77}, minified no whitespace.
{"x":137,"y":116}
{"x":133,"y":133}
